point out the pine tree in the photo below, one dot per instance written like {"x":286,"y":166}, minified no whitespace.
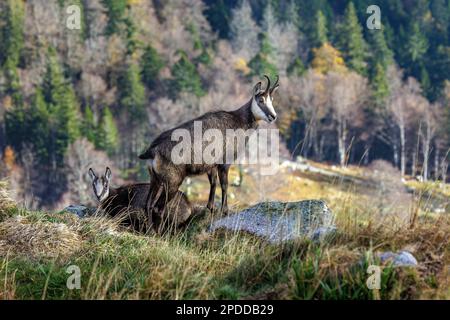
{"x":351,"y":42}
{"x":186,"y":77}
{"x":417,"y":43}
{"x":132,"y":42}
{"x":261,"y":64}
{"x":133,"y":93}
{"x":203,"y":57}
{"x":116,"y":12}
{"x":291,"y":14}
{"x":16,"y":126}
{"x":297,"y":68}
{"x":12,"y":82}
{"x":89,"y":127}
{"x":108,"y":135}
{"x":62,"y":106}
{"x":424,"y":79}
{"x":151,"y":64}
{"x":11,"y":31}
{"x":320,"y":30}
{"x":381,"y":54}
{"x":41,"y":124}
{"x":380,"y":84}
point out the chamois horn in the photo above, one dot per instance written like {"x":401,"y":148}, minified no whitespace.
{"x":276,"y":84}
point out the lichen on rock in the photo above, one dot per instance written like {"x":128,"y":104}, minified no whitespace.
{"x":282,"y":221}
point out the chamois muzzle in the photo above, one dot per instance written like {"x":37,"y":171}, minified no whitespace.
{"x":271,"y":118}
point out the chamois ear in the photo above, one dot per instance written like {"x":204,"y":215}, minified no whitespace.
{"x":108,"y":174}
{"x":92,"y":174}
{"x":257,"y":88}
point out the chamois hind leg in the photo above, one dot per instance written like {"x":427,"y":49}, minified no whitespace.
{"x":212,"y":177}
{"x":223,"y":177}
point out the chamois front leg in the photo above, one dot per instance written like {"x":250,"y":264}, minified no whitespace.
{"x":223,"y":177}
{"x":154,"y":194}
{"x":212,"y":177}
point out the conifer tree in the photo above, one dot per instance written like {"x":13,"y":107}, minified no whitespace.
{"x":116,"y":11}
{"x":417,"y":43}
{"x":380,"y":84}
{"x":133,"y":92}
{"x":12,"y":82}
{"x":41,"y":125}
{"x":297,"y":68}
{"x":16,"y":126}
{"x":11,"y":31}
{"x":108,"y":135}
{"x":62,"y":106}
{"x":89,"y":127}
{"x":381,"y":54}
{"x":151,"y":64}
{"x":186,"y":77}
{"x":351,"y":41}
{"x":320,"y":30}
{"x":261,"y":64}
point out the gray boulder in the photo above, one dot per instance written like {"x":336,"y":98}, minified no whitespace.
{"x":282,"y":221}
{"x":400,"y":259}
{"x":80,"y":210}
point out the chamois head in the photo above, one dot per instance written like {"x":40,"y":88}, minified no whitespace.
{"x":101,"y":185}
{"x":262,"y":107}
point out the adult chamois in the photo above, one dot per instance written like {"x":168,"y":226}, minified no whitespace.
{"x":129,"y":203}
{"x":169,"y":174}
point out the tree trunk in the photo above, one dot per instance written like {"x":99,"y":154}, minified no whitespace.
{"x":436,"y":163}
{"x":444,"y":168}
{"x":395,"y":150}
{"x":342,"y":133}
{"x":426,"y":152}
{"x":402,"y":151}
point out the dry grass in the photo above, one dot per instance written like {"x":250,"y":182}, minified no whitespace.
{"x":6,"y":202}
{"x":18,"y":236}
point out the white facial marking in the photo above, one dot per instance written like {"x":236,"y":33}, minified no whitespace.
{"x":105,"y":195}
{"x":98,"y":186}
{"x":257,"y":112}
{"x":270,"y":106}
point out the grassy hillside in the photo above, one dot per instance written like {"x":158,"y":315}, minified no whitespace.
{"x":36,"y":248}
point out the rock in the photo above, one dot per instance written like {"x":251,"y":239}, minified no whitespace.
{"x":400,"y":259}
{"x":282,"y":221}
{"x":80,"y":210}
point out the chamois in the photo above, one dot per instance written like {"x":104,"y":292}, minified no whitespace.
{"x":129,"y":203}
{"x":169,"y":175}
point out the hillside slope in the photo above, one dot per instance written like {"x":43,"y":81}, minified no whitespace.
{"x":37,"y":249}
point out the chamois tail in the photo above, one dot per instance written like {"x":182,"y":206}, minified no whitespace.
{"x":148,"y":154}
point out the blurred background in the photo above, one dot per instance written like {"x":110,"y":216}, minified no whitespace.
{"x":375,"y":100}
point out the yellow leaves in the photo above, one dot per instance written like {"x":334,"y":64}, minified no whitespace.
{"x":241,"y":65}
{"x":7,"y":102}
{"x":9,"y":158}
{"x":133,"y":2}
{"x":116,"y":49}
{"x":327,"y":58}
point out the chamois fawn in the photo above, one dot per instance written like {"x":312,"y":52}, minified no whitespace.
{"x":129,"y":203}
